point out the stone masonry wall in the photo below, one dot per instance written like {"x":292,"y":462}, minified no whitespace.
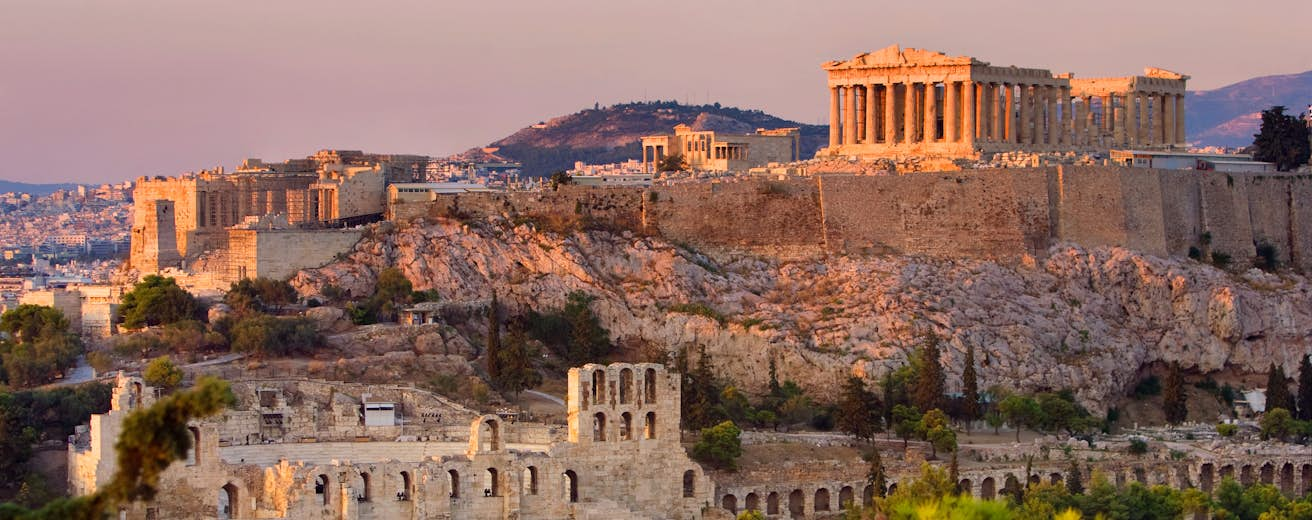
{"x":278,"y":254}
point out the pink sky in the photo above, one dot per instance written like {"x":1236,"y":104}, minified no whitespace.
{"x":96,"y":91}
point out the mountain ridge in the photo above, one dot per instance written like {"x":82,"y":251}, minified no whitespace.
{"x":1229,"y":115}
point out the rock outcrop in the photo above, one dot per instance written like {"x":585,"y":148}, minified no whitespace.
{"x":1087,"y":320}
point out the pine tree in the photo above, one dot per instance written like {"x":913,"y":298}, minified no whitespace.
{"x":928,"y":391}
{"x":858,"y":409}
{"x":516,"y":362}
{"x":969,"y":389}
{"x":1173,"y":398}
{"x":1283,"y":140}
{"x":1305,"y":389}
{"x":774,"y":379}
{"x":1277,"y":389}
{"x":876,"y":476}
{"x":1074,"y":481}
{"x":493,"y":341}
{"x":954,"y":472}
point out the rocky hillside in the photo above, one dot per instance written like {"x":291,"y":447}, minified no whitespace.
{"x":1089,"y":320}
{"x":1229,"y":116}
{"x":612,"y":134}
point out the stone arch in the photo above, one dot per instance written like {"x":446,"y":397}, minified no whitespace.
{"x":1140,"y":475}
{"x":485,"y":434}
{"x":626,"y":426}
{"x":772,"y":503}
{"x":530,"y":480}
{"x":845,"y":497}
{"x":366,"y":488}
{"x":1054,"y":478}
{"x":1267,"y":473}
{"x":649,"y":426}
{"x":892,"y":488}
{"x":407,"y":489}
{"x":1227,"y":471}
{"x":1246,"y":475}
{"x":322,"y":488}
{"x":689,"y":484}
{"x":796,"y":504}
{"x":1120,"y":479}
{"x":491,"y":483}
{"x":1287,"y":478}
{"x":988,"y":489}
{"x":599,"y":386}
{"x":1011,"y":486}
{"x":822,"y":499}
{"x":1034,"y":480}
{"x":453,"y":483}
{"x":752,"y":502}
{"x":229,"y":501}
{"x":599,"y":427}
{"x":649,"y":385}
{"x":626,"y":386}
{"x":1306,"y":481}
{"x":868,"y":495}
{"x":138,"y":394}
{"x":730,"y":503}
{"x":1205,"y":477}
{"x":963,"y":486}
{"x":193,"y":452}
{"x":1184,"y":480}
{"x":570,"y":485}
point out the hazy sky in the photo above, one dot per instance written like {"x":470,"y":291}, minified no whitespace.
{"x":95,"y":91}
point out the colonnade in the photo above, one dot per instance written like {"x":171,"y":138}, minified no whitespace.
{"x":998,"y":114}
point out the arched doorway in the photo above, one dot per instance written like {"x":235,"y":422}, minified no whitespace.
{"x":845,"y":497}
{"x":822,"y":499}
{"x":772,"y":503}
{"x":365,"y":493}
{"x":1205,"y":477}
{"x":649,"y":429}
{"x":491,"y":484}
{"x":797,"y":504}
{"x":570,"y":483}
{"x":453,"y":479}
{"x":228,"y":502}
{"x":729,"y":503}
{"x":321,"y":488}
{"x":531,"y":480}
{"x":689,"y":484}
{"x":988,"y":489}
{"x":752,"y":502}
{"x":963,"y":487}
{"x":599,"y":427}
{"x":406,"y":490}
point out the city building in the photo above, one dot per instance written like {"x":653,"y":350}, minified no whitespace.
{"x":706,"y":150}
{"x":1172,"y":160}
{"x":640,"y":180}
{"x":896,"y":103}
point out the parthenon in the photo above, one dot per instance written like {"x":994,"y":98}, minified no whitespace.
{"x":911,"y":102}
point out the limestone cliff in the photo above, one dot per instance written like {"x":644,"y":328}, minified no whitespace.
{"x":1081,"y":319}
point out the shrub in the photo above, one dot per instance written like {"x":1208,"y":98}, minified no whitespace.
{"x":267,"y":335}
{"x":1268,"y":257}
{"x":162,"y":373}
{"x":698,"y":309}
{"x":1220,"y":260}
{"x":719,"y":446}
{"x":1226,"y":430}
{"x":1148,"y":386}
{"x":157,"y":300}
{"x":1137,"y":447}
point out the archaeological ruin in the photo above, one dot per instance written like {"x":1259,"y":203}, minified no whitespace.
{"x":898,"y":103}
{"x":707,"y":150}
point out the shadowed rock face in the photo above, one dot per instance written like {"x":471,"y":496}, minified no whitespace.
{"x":1081,"y":319}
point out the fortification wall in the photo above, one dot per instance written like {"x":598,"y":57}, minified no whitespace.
{"x":778,"y":215}
{"x":278,"y":254}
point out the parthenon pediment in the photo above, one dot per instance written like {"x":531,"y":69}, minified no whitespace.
{"x":896,"y":56}
{"x":1154,"y":72}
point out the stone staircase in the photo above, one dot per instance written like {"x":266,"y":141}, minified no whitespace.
{"x":602,"y":509}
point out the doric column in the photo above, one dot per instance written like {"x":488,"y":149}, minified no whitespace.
{"x":1078,"y":111}
{"x":872,"y":109}
{"x":950,"y":111}
{"x":890,"y":113}
{"x":968,"y":113}
{"x":995,"y":114}
{"x":909,"y":114}
{"x":1009,"y":112}
{"x":1179,"y":120}
{"x":980,"y":113}
{"x":849,"y":115}
{"x":1067,"y":116}
{"x":859,"y":100}
{"x":932,"y":112}
{"x":1131,"y":121}
{"x":833,"y":117}
{"x":1168,"y":127}
{"x":1023,"y":127}
{"x":1054,"y":121}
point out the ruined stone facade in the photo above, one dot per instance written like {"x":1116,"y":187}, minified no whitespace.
{"x":176,"y":219}
{"x":896,"y":103}
{"x":719,"y":152}
{"x":303,"y":450}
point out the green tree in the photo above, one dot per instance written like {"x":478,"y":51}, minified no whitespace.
{"x":392,"y":291}
{"x":151,"y":439}
{"x":672,"y":163}
{"x":969,"y":389}
{"x":876,"y":476}
{"x":162,"y":373}
{"x":700,"y":390}
{"x":1305,"y":389}
{"x":1173,"y":398}
{"x":1283,"y":140}
{"x":516,"y":367}
{"x":157,"y":300}
{"x":906,"y":422}
{"x":896,"y":386}
{"x":589,"y":341}
{"x":264,"y":335}
{"x":1277,"y":389}
{"x":1074,"y":479}
{"x":560,"y":178}
{"x":995,"y":420}
{"x":929,"y":381}
{"x":719,"y":446}
{"x":1276,"y":423}
{"x":935,"y":429}
{"x":494,"y":358}
{"x":859,"y":413}
{"x":751,"y":515}
{"x":1226,"y":430}
{"x":1020,"y":411}
{"x":41,"y":347}
{"x":259,"y":295}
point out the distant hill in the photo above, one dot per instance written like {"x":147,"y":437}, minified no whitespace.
{"x":613,"y":134}
{"x":1229,"y":116}
{"x":34,"y":189}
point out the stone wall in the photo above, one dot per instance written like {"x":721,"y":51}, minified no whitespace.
{"x":279,"y":253}
{"x":771,"y":215}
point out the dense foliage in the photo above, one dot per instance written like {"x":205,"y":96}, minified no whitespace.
{"x":1282,"y":140}
{"x":573,"y":332}
{"x":32,"y":416}
{"x":157,"y":300}
{"x":719,"y":446}
{"x":38,"y":348}
{"x":259,"y":295}
{"x":265,"y":335}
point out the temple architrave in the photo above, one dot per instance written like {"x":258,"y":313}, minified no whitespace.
{"x":911,"y":102}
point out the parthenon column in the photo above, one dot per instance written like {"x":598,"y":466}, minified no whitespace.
{"x":1023,"y":127}
{"x":1009,"y":90}
{"x":1079,"y":111}
{"x":872,"y":106}
{"x":980,"y":112}
{"x":931,"y":112}
{"x":1067,"y":117}
{"x":1054,"y":125}
{"x":890,"y":113}
{"x":995,"y":114}
{"x":968,"y":113}
{"x":1168,"y":127}
{"x":1131,"y":121}
{"x":849,"y":115}
{"x":859,"y":100}
{"x":1179,"y":120}
{"x":833,"y":116}
{"x":950,"y":111}
{"x":909,"y":114}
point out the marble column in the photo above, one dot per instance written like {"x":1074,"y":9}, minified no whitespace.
{"x":1023,"y":127}
{"x":980,"y":112}
{"x":1079,"y":110}
{"x":950,"y":111}
{"x":1009,"y":90}
{"x":849,"y":115}
{"x":872,"y":108}
{"x":931,"y":112}
{"x":909,"y":109}
{"x":833,"y":117}
{"x":1067,"y":117}
{"x":890,"y":113}
{"x":859,"y":99}
{"x":1179,"y":120}
{"x":1054,"y":117}
{"x":1168,"y":127}
{"x":995,"y":114}
{"x":1131,"y":119}
{"x":968,"y":113}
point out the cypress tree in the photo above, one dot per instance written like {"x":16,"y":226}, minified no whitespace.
{"x":969,"y":389}
{"x":516,"y":362}
{"x":1173,"y":398}
{"x":876,"y":476}
{"x":928,"y":393}
{"x":1305,"y":389}
{"x":494,"y":341}
{"x":1277,"y":389}
{"x":858,"y":410}
{"x":1074,"y":481}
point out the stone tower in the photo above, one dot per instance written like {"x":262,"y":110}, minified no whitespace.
{"x":623,"y":402}
{"x":154,"y":236}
